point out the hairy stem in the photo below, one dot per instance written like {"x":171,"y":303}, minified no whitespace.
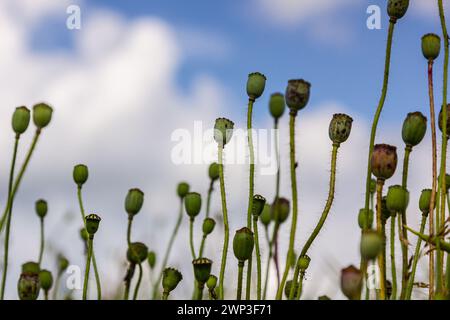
{"x":381,"y":256}
{"x":393,"y":267}
{"x":269,"y":259}
{"x":191,"y":237}
{"x":208,"y":200}
{"x":258,"y":257}
{"x":88,"y":266}
{"x":250,"y":190}
{"x":403,"y":233}
{"x":42,"y":243}
{"x":225,"y":224}
{"x":240,"y":280}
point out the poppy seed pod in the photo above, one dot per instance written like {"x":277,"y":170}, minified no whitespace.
{"x":208,"y":226}
{"x":20,"y":120}
{"x":424,"y":201}
{"x":258,"y":205}
{"x":46,"y":280}
{"x":340,"y":128}
{"x":277,"y":105}
{"x":266,"y":215}
{"x":414,"y":128}
{"x":41,"y":208}
{"x":28,"y":286}
{"x":287,"y":288}
{"x":63,"y":263}
{"x":397,"y":198}
{"x":84,"y":235}
{"x":171,"y":279}
{"x":362,"y":219}
{"x":297,"y":94}
{"x":134,"y":201}
{"x":351,"y":282}
{"x":223,"y":131}
{"x":80,"y":174}
{"x":151,"y":259}
{"x":213,"y":171}
{"x":447,"y":181}
{"x":385,"y":212}
{"x":42,"y":115}
{"x":202,"y":269}
{"x":193,"y":204}
{"x":303,"y":263}
{"x":31,"y":267}
{"x":431,"y":46}
{"x":448,"y":120}
{"x":255,"y":85}
{"x":384,"y":161}
{"x":243,"y":244}
{"x":212,"y":282}
{"x":183,"y":189}
{"x":92,"y":223}
{"x":396,"y":9}
{"x":371,"y":244}
{"x":137,"y":253}
{"x":373,"y":186}
{"x":280,"y":210}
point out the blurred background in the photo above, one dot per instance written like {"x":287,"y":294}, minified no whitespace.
{"x":136,"y":71}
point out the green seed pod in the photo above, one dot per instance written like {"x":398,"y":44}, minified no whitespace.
{"x":92,"y":223}
{"x":447,"y":181}
{"x":258,"y":205}
{"x":414,"y":128}
{"x":202,"y":269}
{"x":183,"y":189}
{"x":385,"y":212}
{"x":20,"y":120}
{"x":277,"y":105}
{"x":42,"y":115}
{"x":46,"y":280}
{"x":63,"y":263}
{"x":208,"y":226}
{"x":28,"y":286}
{"x":362,"y":219}
{"x":41,"y":208}
{"x":212,"y":282}
{"x":84,"y":235}
{"x":31,"y":267}
{"x":431,"y":46}
{"x":303,"y":263}
{"x":397,"y":199}
{"x":448,"y":120}
{"x":371,"y":244}
{"x":213,"y":171}
{"x":151,"y":259}
{"x":193,"y":204}
{"x":137,"y":253}
{"x":424,"y":201}
{"x":297,"y":94}
{"x":171,"y":279}
{"x":223,"y":131}
{"x":255,"y":85}
{"x":384,"y":161}
{"x":134,"y":201}
{"x":340,"y":128}
{"x":373,"y":186}
{"x":396,"y":9}
{"x":243,"y":244}
{"x":280,"y":210}
{"x":324,"y":298}
{"x":80,"y":174}
{"x":266,"y":215}
{"x":287,"y":288}
{"x":351,"y":282}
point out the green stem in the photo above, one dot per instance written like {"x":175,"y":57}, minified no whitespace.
{"x":88,"y":266}
{"x":393,"y":268}
{"x":46,"y":294}
{"x":130,"y":223}
{"x":277,"y":153}
{"x":191,"y":237}
{"x":208,"y":200}
{"x":202,"y":245}
{"x":381,"y":256}
{"x":165,"y":295}
{"x":41,"y":249}
{"x":199,"y":291}
{"x":270,"y":242}
{"x":240,"y":278}
{"x":403,"y":234}
{"x":56,"y":287}
{"x":225,"y":223}
{"x":250,"y":190}
{"x":138,"y":284}
{"x":300,"y":286}
{"x":258,"y":257}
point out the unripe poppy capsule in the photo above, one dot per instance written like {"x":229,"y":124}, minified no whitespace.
{"x":193,"y":204}
{"x":223,"y":131}
{"x":151,"y":259}
{"x":448,"y":120}
{"x":297,"y":94}
{"x":28,"y":286}
{"x":243,"y":244}
{"x":384,"y":161}
{"x":42,"y":115}
{"x":92,"y":223}
{"x":431,"y":46}
{"x":31,"y":267}
{"x":303,"y":262}
{"x":46,"y":280}
{"x":255,"y":85}
{"x":447,"y":181}
{"x":396,"y":9}
{"x":397,"y":199}
{"x":134,"y":201}
{"x":362,"y":218}
{"x":371,"y":244}
{"x":340,"y":128}
{"x":385,"y":212}
{"x":277,"y":105}
{"x":424,"y":201}
{"x":280,"y":210}
{"x":80,"y":174}
{"x":41,"y":208}
{"x":351,"y":282}
{"x":202,"y":269}
{"x":266,"y":215}
{"x":63,"y":263}
{"x":171,"y":279}
{"x":208,"y":226}
{"x":258,"y":205}
{"x":21,"y":120}
{"x":213,"y":171}
{"x":288,"y":286}
{"x":373,"y":186}
{"x":183,"y":189}
{"x":84,"y":234}
{"x":137,"y":253}
{"x":414,"y":128}
{"x":212,"y":282}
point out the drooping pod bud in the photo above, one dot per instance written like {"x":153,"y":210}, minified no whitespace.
{"x":255,"y":85}
{"x":424,"y":201}
{"x":414,"y":128}
{"x":448,"y":120}
{"x":340,"y":128}
{"x":41,"y":208}
{"x":80,"y":174}
{"x":223,"y":131}
{"x":63,"y":263}
{"x":287,"y":288}
{"x":84,"y":234}
{"x":193,"y":204}
{"x":351,"y":282}
{"x":431,"y":46}
{"x":20,"y":120}
{"x":280,"y":210}
{"x":277,"y":105}
{"x":92,"y":223}
{"x":151,"y":259}
{"x":212,"y":282}
{"x":134,"y":201}
{"x":31,"y":267}
{"x":373,"y":186}
{"x":137,"y":253}
{"x":183,"y":189}
{"x":213,"y":171}
{"x":396,"y":9}
{"x":202,"y":269}
{"x":397,"y":199}
{"x":371,"y":244}
{"x":243,"y":244}
{"x":258,"y":205}
{"x":171,"y":278}
{"x":266,"y":215}
{"x":384,"y":161}
{"x":42,"y":115}
{"x":303,"y":263}
{"x":208,"y":226}
{"x":297,"y":94}
{"x":365,"y":221}
{"x":28,"y":286}
{"x":46,"y":280}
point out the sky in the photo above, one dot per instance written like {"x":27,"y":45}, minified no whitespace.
{"x":138,"y":71}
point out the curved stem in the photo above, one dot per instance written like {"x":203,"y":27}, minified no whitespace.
{"x":225,"y":223}
{"x":128,"y":277}
{"x":393,"y":268}
{"x":250,"y":190}
{"x":270,"y":242}
{"x":138,"y":284}
{"x":403,"y":233}
{"x":381,"y":256}
{"x":240,"y":278}
{"x":191,"y":237}
{"x":88,"y":266}
{"x":258,"y":257}
{"x":41,"y":248}
{"x":202,"y":245}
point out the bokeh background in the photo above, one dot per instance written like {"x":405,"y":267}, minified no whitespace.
{"x":138,"y":70}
